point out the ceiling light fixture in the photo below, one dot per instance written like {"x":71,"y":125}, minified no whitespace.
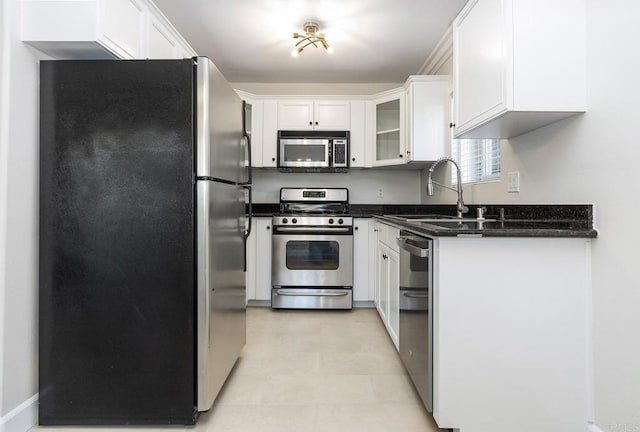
{"x":310,"y":37}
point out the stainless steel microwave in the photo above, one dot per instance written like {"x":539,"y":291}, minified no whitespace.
{"x":313,"y":151}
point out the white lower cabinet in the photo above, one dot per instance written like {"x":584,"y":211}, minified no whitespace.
{"x":361,"y":273}
{"x":387,"y":283}
{"x":259,"y":260}
{"x":511,"y":329}
{"x":393,"y":282}
{"x":382,"y":283}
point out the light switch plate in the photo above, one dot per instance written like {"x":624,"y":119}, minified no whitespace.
{"x":513,"y":181}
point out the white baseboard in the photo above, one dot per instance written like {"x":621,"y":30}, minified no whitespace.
{"x":21,"y":418}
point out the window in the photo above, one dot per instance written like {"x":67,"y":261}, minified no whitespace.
{"x":479,"y":159}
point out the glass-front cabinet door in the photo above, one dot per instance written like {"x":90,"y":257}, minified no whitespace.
{"x":389,"y":133}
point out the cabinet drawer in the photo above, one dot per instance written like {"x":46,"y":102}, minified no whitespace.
{"x":388,"y":234}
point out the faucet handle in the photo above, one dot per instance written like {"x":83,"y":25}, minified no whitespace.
{"x":461,"y":208}
{"x":480,"y":213}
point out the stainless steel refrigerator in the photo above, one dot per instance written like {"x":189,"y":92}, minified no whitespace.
{"x":145,"y":189}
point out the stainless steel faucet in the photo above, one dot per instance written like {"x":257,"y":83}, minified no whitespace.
{"x":460,"y":205}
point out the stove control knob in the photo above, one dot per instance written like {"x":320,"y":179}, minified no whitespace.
{"x":330,"y":221}
{"x":340,"y":221}
{"x":294,"y":220}
{"x":285,"y":220}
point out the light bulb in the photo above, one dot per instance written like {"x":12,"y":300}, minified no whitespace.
{"x":330,"y":50}
{"x":294,"y":52}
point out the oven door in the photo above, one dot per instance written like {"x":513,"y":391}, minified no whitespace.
{"x":302,"y":258}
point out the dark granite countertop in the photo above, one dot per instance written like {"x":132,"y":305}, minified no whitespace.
{"x":522,"y":220}
{"x":504,"y":228}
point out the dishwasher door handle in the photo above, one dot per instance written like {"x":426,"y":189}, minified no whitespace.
{"x":312,"y":294}
{"x":403,"y":242}
{"x":420,"y":296}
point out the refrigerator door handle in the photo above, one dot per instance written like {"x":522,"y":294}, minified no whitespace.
{"x":250,"y":212}
{"x":246,"y":136}
{"x":247,"y":231}
{"x":249,"y":167}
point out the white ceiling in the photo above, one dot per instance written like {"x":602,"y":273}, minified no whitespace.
{"x":375,"y":41}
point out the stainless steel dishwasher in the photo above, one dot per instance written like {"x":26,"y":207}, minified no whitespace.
{"x":416,"y":321}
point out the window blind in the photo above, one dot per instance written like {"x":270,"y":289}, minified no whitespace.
{"x":479,"y":159}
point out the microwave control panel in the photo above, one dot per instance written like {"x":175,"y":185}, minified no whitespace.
{"x":340,"y":153}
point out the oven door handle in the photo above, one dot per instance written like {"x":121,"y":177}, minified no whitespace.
{"x":298,"y":293}
{"x":320,"y":230}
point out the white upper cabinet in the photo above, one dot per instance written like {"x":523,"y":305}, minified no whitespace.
{"x":407,"y":126}
{"x":160,"y":42}
{"x":331,"y":115}
{"x":310,"y":115}
{"x":428,"y":115}
{"x":518,"y":65}
{"x":261,"y":118}
{"x":96,"y":29}
{"x":295,"y":115}
{"x":254,"y":121}
{"x":269,"y":135}
{"x":388,"y":123}
{"x":121,"y":25}
{"x":357,"y":137}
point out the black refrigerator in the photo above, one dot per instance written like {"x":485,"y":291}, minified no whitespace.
{"x":144,"y":197}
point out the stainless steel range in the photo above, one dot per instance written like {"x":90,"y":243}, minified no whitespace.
{"x":312,"y":250}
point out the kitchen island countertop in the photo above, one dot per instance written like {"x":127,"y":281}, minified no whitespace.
{"x":495,"y":228}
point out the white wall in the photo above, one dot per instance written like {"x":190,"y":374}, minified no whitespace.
{"x":18,"y":223}
{"x":399,"y":186}
{"x":592,"y":158}
{"x":4,"y":85}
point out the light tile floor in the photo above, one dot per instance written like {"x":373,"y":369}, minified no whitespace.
{"x":311,"y":371}
{"x":317,"y":371}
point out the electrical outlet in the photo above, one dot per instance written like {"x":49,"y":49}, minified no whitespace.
{"x":380,"y":193}
{"x":513,"y":181}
